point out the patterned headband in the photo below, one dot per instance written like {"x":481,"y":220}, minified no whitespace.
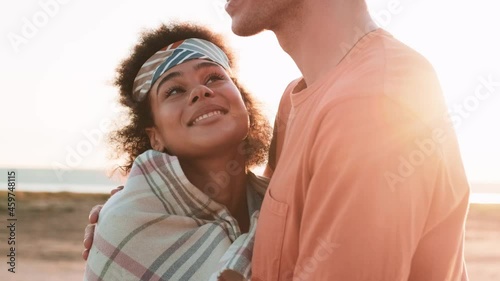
{"x":172,"y":55}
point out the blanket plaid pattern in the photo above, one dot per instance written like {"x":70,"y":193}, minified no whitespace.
{"x":161,"y":227}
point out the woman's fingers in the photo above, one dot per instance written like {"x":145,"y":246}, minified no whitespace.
{"x":94,"y":214}
{"x":88,"y":238}
{"x":85,"y":254}
{"x":119,"y":188}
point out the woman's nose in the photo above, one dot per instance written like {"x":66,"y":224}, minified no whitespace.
{"x":200,"y":92}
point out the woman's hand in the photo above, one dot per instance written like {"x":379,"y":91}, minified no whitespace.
{"x":88,"y":238}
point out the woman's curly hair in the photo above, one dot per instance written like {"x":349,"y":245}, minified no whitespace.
{"x":132,"y":139}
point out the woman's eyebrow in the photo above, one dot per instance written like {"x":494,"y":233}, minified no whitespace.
{"x":205,"y":64}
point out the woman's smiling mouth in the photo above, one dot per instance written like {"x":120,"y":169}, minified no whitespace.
{"x":206,"y":112}
{"x":207,"y":115}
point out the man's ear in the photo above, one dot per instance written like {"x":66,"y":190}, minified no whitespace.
{"x":155,"y":139}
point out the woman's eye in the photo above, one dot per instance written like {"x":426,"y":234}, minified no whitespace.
{"x":173,"y":91}
{"x":214,"y":77}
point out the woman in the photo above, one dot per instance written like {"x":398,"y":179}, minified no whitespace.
{"x":194,"y":133}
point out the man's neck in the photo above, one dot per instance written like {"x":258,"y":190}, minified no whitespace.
{"x":322,"y":33}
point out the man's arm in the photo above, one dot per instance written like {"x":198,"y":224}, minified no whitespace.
{"x":380,"y":197}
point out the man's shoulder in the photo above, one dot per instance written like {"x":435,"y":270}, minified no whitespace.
{"x":384,"y":68}
{"x":383,"y":61}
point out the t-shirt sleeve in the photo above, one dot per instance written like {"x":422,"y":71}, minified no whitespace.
{"x":382,"y":203}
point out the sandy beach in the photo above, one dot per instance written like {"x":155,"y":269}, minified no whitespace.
{"x":49,"y":233}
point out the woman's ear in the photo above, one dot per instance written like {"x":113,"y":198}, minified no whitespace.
{"x":155,"y":139}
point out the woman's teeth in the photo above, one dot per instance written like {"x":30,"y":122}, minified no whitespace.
{"x":206,"y":115}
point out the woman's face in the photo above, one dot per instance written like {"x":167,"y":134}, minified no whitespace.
{"x":197,"y":111}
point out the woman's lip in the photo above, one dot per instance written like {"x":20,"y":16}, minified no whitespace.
{"x":204,"y":110}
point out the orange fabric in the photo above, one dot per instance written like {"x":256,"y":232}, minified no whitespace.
{"x":279,"y":131}
{"x":369,"y":184}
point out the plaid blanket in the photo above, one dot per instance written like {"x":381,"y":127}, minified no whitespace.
{"x":161,"y":227}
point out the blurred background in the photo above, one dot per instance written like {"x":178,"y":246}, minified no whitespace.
{"x":57,"y":105}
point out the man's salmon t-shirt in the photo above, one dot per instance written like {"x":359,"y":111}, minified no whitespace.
{"x":369,"y":182}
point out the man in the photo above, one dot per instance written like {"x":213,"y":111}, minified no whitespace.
{"x":369,"y":184}
{"x":367,"y":181}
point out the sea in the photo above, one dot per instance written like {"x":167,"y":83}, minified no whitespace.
{"x":99,"y":181}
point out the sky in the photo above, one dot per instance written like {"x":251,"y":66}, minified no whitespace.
{"x":58,"y":59}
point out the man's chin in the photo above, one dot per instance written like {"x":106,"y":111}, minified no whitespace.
{"x":245,"y":30}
